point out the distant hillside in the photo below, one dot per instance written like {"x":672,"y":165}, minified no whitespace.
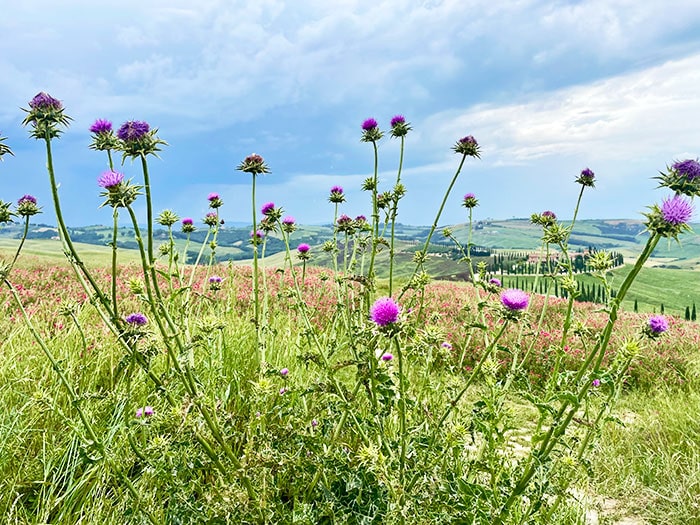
{"x":624,"y":236}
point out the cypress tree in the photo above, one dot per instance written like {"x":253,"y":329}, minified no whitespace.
{"x":636,"y":306}
{"x":693,"y":317}
{"x":687,"y":313}
{"x":662,"y":308}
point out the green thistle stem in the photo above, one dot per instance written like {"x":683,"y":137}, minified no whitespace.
{"x":437,"y":219}
{"x":558,"y":427}
{"x":68,"y":247}
{"x":21,"y":242}
{"x":394,"y":211}
{"x":375,"y":224}
{"x":115,"y":234}
{"x":149,"y":209}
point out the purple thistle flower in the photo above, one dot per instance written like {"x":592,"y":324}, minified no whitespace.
{"x":215,"y":279}
{"x":283,"y":390}
{"x":688,"y":168}
{"x":288,"y":221}
{"x":28,"y":199}
{"x":446,"y":345}
{"x":514,"y":299}
{"x":45,"y":101}
{"x":399,"y":126}
{"x":337,"y":196}
{"x":360,"y":218}
{"x":258,"y":234}
{"x":595,"y":383}
{"x":677,"y":210}
{"x":549,"y":215}
{"x":136,"y":319}
{"x":658,"y":324}
{"x":284,"y":372}
{"x":314,"y":423}
{"x":213,"y":197}
{"x":387,"y":356}
{"x":586,"y":178}
{"x":496,"y":282}
{"x":303,"y":248}
{"x":187,"y":221}
{"x":398,"y":119}
{"x":470,"y":201}
{"x":133,"y":130}
{"x":101,"y":126}
{"x":267,"y":208}
{"x":110,"y":179}
{"x":467,"y":146}
{"x":254,"y":164}
{"x":384,"y":311}
{"x":369,"y":124}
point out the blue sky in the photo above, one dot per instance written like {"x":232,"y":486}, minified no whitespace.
{"x":547,"y":88}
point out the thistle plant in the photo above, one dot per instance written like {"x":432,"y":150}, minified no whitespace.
{"x":360,"y":408}
{"x":399,"y":129}
{"x":255,"y":165}
{"x":466,"y":147}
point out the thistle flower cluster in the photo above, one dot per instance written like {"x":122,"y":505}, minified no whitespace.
{"x":586,"y":178}
{"x":370,"y":131}
{"x":45,"y":114}
{"x":655,"y":326}
{"x":215,"y":201}
{"x":137,"y":139}
{"x":272,"y":217}
{"x":167,"y":218}
{"x":337,"y":196}
{"x":600,"y":261}
{"x":399,"y":126}
{"x":254,"y":164}
{"x":257,"y":237}
{"x":345,"y":224}
{"x":211,"y":219}
{"x":117,"y":192}
{"x":289,"y":224}
{"x":671,"y":218}
{"x":546,"y":218}
{"x":136,"y":319}
{"x":513,"y":302}
{"x":467,"y":146}
{"x":26,"y":206}
{"x":215,"y":283}
{"x":303,"y":252}
{"x":187,"y":225}
{"x":103,"y":137}
{"x":470,"y":201}
{"x":385,"y":311}
{"x":683,"y":177}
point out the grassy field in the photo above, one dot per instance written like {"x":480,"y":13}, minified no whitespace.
{"x":643,"y":468}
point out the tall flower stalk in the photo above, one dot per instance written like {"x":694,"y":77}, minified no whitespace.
{"x":399,"y":129}
{"x":255,"y":165}
{"x":371,"y":133}
{"x":467,"y":147}
{"x":46,"y":117}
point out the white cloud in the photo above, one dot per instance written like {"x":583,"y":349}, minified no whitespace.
{"x":633,"y":115}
